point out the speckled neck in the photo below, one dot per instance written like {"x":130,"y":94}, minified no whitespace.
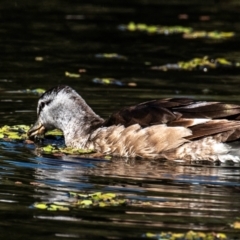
{"x":78,"y":121}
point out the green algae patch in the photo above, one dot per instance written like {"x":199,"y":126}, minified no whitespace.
{"x":210,"y":35}
{"x":55,"y":132}
{"x":72,"y":75}
{"x":113,"y":82}
{"x":205,"y":63}
{"x":110,"y":56}
{"x":16,"y":132}
{"x":190,"y":235}
{"x":187,"y":32}
{"x":19,"y":132}
{"x":83,"y":200}
{"x":154,"y":29}
{"x":53,"y":149}
{"x":50,"y":207}
{"x":36,"y":91}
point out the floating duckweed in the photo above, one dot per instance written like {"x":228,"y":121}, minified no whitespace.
{"x":82,"y":200}
{"x":204,"y":64}
{"x":51,"y":149}
{"x":155,"y":28}
{"x":17,"y":132}
{"x":113,"y":81}
{"x":108,"y":81}
{"x":37,"y":91}
{"x":72,"y":75}
{"x":55,"y":132}
{"x":211,"y":35}
{"x":40,"y":205}
{"x":188,"y":32}
{"x":50,"y":206}
{"x":190,"y":235}
{"x":85,"y":202}
{"x":110,"y":55}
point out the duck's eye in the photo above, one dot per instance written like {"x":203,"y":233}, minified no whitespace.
{"x":42,"y":105}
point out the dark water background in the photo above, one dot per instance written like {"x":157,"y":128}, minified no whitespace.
{"x":68,"y":34}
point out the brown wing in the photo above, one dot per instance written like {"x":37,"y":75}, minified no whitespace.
{"x":168,"y":110}
{"x":223,"y":130}
{"x":148,"y":113}
{"x":182,"y":112}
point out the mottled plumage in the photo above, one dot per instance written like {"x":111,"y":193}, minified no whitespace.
{"x":176,"y":128}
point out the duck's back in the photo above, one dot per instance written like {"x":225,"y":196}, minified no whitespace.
{"x":203,"y":118}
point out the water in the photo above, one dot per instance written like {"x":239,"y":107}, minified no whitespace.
{"x":165,"y":196}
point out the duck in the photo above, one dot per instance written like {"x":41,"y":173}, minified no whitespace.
{"x":170,"y":129}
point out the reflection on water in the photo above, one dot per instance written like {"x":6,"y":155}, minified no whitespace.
{"x":165,"y":196}
{"x":170,"y":195}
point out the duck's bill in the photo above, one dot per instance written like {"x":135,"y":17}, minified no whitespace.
{"x":37,"y":130}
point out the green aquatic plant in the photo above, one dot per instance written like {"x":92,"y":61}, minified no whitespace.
{"x":72,"y":75}
{"x":203,"y":63}
{"x":53,"y":149}
{"x":19,"y":132}
{"x":190,"y":235}
{"x":158,"y":29}
{"x":37,"y":91}
{"x":188,"y":32}
{"x":110,"y":56}
{"x":113,"y":81}
{"x":83,"y":200}
{"x":210,"y":35}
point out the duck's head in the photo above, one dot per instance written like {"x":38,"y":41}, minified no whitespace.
{"x":63,"y":108}
{"x":48,"y":105}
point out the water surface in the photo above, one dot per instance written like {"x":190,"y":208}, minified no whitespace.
{"x":171,"y":196}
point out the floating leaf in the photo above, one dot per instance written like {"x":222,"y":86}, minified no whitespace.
{"x":108,"y":81}
{"x":188,"y":32}
{"x":54,"y":132}
{"x":204,"y":64}
{"x":50,"y":149}
{"x":54,"y":207}
{"x":40,"y":205}
{"x":158,"y":29}
{"x":37,"y":91}
{"x":191,"y":235}
{"x":17,"y":132}
{"x":113,"y":81}
{"x":72,"y":75}
{"x":211,"y":35}
{"x":83,"y":200}
{"x":110,"y":56}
